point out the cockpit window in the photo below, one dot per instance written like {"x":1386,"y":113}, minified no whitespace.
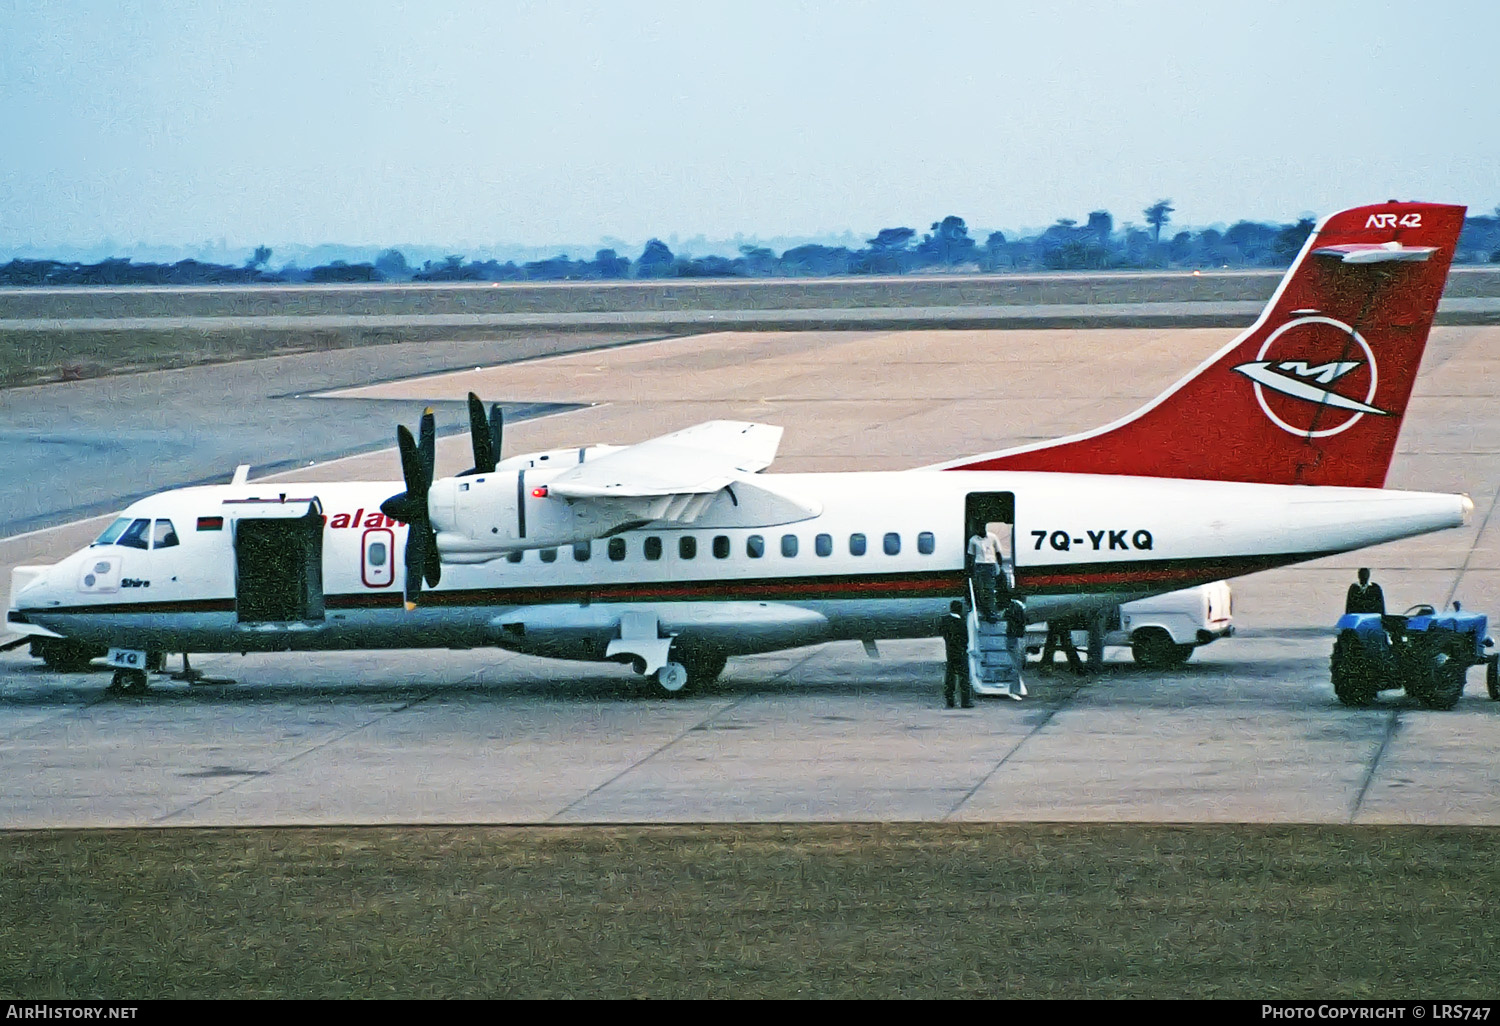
{"x":165,"y":535}
{"x":137,"y":535}
{"x":112,"y":532}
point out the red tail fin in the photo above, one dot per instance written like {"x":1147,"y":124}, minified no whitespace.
{"x":1314,"y":391}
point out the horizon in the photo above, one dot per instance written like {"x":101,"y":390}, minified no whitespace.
{"x":222,"y":251}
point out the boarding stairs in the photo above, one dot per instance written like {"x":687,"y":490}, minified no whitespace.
{"x":991,"y":668}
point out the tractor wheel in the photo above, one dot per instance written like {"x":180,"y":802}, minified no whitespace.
{"x":1492,"y":677}
{"x":1353,"y":681}
{"x":1154,"y":649}
{"x":1445,"y":682}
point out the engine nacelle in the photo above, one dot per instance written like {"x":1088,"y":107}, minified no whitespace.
{"x":483,"y":516}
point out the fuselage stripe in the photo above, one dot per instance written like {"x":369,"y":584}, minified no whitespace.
{"x":1056,"y":579}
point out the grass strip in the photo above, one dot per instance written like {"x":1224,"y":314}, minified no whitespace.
{"x":828,"y":910}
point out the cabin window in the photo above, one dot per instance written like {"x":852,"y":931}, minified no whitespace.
{"x":926,"y":543}
{"x":721,"y":546}
{"x":652,"y":547}
{"x":789,"y":545}
{"x":112,"y":532}
{"x":377,"y":554}
{"x":755,"y":546}
{"x":617,"y":549}
{"x":164,"y":536}
{"x":823,"y":544}
{"x":892,"y":544}
{"x":137,"y":535}
{"x":516,"y":557}
{"x":856,"y":545}
{"x":582,"y":551}
{"x":687,"y":546}
{"x":549,"y":555}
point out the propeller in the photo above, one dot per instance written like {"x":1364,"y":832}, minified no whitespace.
{"x":410,"y":507}
{"x":485,"y":432}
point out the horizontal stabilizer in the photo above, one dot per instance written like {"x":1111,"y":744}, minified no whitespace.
{"x":1386,"y":252}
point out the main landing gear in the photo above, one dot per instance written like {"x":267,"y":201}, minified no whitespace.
{"x":688,"y":671}
{"x":676,"y":667}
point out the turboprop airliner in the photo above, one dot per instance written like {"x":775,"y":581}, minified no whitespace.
{"x":677,"y":553}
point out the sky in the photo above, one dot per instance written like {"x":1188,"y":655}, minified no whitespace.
{"x":539,"y":123}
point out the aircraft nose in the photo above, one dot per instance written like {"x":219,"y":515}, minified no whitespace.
{"x":29,"y":582}
{"x":1467,"y":505}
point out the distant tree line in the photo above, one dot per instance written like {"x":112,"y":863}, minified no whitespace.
{"x":1097,"y":244}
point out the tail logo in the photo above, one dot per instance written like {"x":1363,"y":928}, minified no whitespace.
{"x":1307,"y":379}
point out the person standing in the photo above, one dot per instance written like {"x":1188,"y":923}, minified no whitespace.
{"x":1365,"y":596}
{"x":1015,"y":642}
{"x":956,"y":680}
{"x":984,"y":564}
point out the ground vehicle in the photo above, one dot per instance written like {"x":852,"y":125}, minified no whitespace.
{"x":1425,"y":652}
{"x":1162,"y":630}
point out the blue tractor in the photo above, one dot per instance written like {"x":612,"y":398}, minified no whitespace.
{"x":1422,"y":651}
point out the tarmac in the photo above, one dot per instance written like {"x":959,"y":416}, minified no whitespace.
{"x":1247,"y":731}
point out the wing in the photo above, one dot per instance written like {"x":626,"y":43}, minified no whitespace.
{"x":695,"y":461}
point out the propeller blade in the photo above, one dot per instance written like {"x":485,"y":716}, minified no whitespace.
{"x":497,"y":426}
{"x":401,"y":507}
{"x":410,"y":507}
{"x":411,"y":465}
{"x":427,"y":448}
{"x":479,"y":432}
{"x":432,"y":570}
{"x":416,"y":539}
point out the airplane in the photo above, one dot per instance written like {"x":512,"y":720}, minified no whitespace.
{"x":676,"y":553}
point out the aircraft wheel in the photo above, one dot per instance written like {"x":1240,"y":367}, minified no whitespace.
{"x":1492,"y":678}
{"x":129,"y":682}
{"x":1445,"y":682}
{"x":1353,"y":681}
{"x":672,"y":679}
{"x":1154,"y":649}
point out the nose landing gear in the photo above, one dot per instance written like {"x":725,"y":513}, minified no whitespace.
{"x":128,"y":682}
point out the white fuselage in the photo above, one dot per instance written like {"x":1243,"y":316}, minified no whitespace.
{"x":1080,"y":541}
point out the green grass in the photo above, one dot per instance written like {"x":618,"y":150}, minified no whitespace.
{"x":679,"y":294}
{"x":757,"y":910}
{"x":37,"y":357}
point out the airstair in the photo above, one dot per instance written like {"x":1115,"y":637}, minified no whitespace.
{"x":991,"y":668}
